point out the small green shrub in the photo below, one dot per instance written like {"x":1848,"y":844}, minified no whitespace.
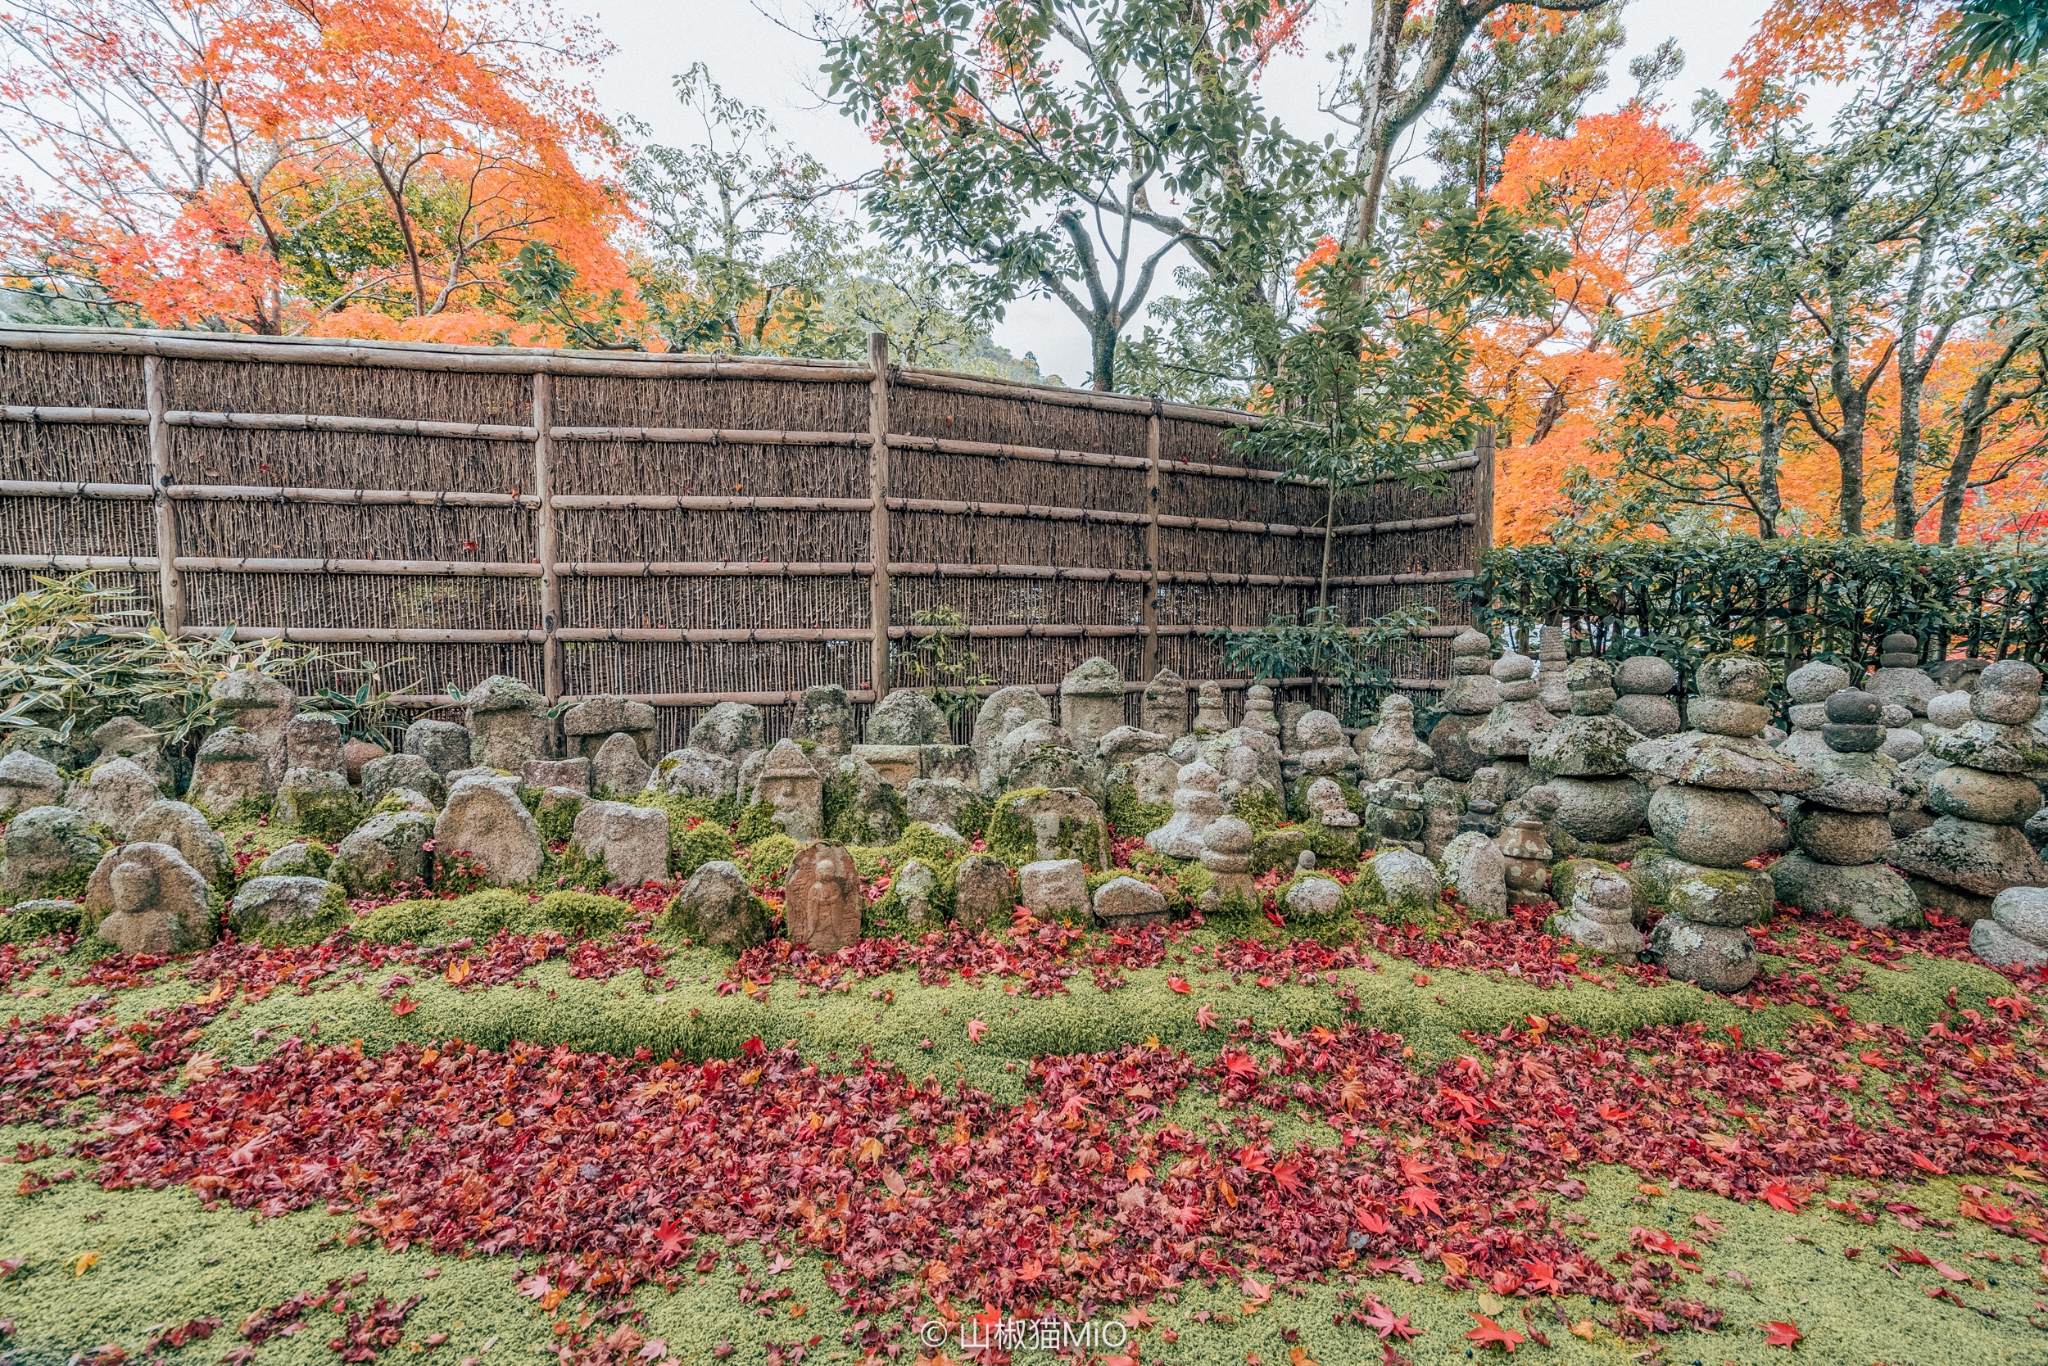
{"x":765,"y":861}
{"x":758,"y":823}
{"x":477,"y":916}
{"x":557,"y":819}
{"x":1128,"y":817}
{"x":1258,"y":807}
{"x":586,"y":913}
{"x":705,"y":842}
{"x":33,"y":920}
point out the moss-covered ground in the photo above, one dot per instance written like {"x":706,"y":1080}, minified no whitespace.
{"x":1902,"y":1268}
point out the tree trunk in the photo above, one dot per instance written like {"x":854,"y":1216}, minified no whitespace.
{"x":1913,"y":368}
{"x":1102,"y":356}
{"x":1771,"y":424}
{"x":1974,"y":415}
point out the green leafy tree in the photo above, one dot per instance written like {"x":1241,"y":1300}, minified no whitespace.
{"x":1374,"y":385}
{"x":741,"y":233}
{"x":1070,"y":147}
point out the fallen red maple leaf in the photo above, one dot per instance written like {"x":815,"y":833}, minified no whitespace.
{"x":1541,"y":1276}
{"x":1179,"y":984}
{"x":1778,"y":1334}
{"x":1387,"y":1323}
{"x":1781,"y":1196}
{"x":1489,"y":1333}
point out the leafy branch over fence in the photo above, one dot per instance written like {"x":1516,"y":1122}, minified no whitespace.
{"x":1790,"y":599}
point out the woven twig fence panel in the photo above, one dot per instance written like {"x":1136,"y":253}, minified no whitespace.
{"x":681,"y":529}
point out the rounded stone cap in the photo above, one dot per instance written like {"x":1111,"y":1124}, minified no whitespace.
{"x":1093,"y":677}
{"x":787,"y":760}
{"x":1469,"y":644}
{"x":1645,"y":675}
{"x":1949,"y":710}
{"x":1854,"y":707}
{"x":1396,"y":704}
{"x":1541,"y":802}
{"x":1900,"y":643}
{"x":1735,"y":678}
{"x":1816,"y":682}
{"x":1896,"y":716}
{"x":1199,"y":775}
{"x":1586,"y":673}
{"x":1513,"y":668}
{"x":1228,"y":835}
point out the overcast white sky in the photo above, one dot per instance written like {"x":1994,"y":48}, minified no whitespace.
{"x":761,"y":61}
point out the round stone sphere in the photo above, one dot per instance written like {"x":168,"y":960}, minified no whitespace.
{"x":1645,"y":676}
{"x":1512,"y":667}
{"x":1854,"y":707}
{"x":1816,"y":682}
{"x":2008,"y":693}
{"x":1949,"y":710}
{"x":1841,"y":837}
{"x":1713,"y":826}
{"x":1738,"y":678}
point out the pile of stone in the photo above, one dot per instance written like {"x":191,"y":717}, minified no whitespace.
{"x":1601,"y":915}
{"x":1516,"y":723}
{"x":1644,"y":684}
{"x":1466,"y":705}
{"x":1710,"y":821}
{"x":1842,"y":824}
{"x":2015,"y":934}
{"x":1810,"y":686}
{"x":1583,"y":760}
{"x":1899,"y":680}
{"x":1977,"y":847}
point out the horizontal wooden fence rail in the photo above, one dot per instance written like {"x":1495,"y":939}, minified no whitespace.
{"x":682,"y":529}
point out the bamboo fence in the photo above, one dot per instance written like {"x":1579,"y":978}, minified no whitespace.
{"x":682,"y":529}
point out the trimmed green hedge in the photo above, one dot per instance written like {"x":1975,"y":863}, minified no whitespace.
{"x":1790,"y":599}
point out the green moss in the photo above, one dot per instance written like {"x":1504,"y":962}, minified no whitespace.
{"x":1258,"y":807}
{"x":692,"y":847}
{"x":477,"y":916}
{"x":1564,"y":880}
{"x":677,"y":922}
{"x":586,"y":913}
{"x":334,"y":914}
{"x":765,"y":861}
{"x":848,"y":821}
{"x":923,"y":842}
{"x":1333,"y":848}
{"x":573,"y":868}
{"x":757,"y":823}
{"x":683,"y":810}
{"x":390,"y":804}
{"x":1297,"y":796}
{"x":1128,"y":817}
{"x":1279,"y":849}
{"x":557,"y":819}
{"x":37,"y":920}
{"x":328,"y":815}
{"x":1012,"y":839}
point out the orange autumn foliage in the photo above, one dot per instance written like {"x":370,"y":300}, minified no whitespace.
{"x":1618,"y":194}
{"x":342,"y":167}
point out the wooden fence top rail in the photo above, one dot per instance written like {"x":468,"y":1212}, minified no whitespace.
{"x":611,"y":364}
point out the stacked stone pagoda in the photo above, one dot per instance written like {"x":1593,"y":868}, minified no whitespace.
{"x":1711,"y":820}
{"x":1810,"y":687}
{"x":1977,"y":847}
{"x":1899,"y":679}
{"x":1842,"y":825}
{"x":1644,"y":683}
{"x":1516,"y":722}
{"x":1584,"y":761}
{"x":1466,"y":705}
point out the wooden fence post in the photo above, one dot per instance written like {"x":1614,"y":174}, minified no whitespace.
{"x":170,"y":583}
{"x":1149,"y":660}
{"x":546,"y":540}
{"x":1482,"y":494}
{"x":878,"y":519}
